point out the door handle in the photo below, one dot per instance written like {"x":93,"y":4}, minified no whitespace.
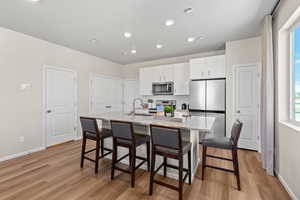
{"x":49,"y":111}
{"x":238,"y":111}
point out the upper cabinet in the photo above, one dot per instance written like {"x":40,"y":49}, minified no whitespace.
{"x":181,"y":79}
{"x":207,"y":67}
{"x":164,"y":73}
{"x":200,"y":68}
{"x":146,"y":80}
{"x":177,"y":73}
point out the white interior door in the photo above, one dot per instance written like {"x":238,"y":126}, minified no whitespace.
{"x":60,"y":105}
{"x":106,"y":94}
{"x":131,"y":91}
{"x":246,"y":96}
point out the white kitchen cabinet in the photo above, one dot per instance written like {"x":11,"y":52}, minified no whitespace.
{"x":181,"y":78}
{"x":167,"y":73}
{"x":145,"y":79}
{"x":207,"y":67}
{"x":130,"y":92}
{"x":156,"y":74}
{"x":163,"y":73}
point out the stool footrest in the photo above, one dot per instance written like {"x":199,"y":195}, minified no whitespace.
{"x":158,"y":168}
{"x":89,"y":159}
{"x":89,"y":151}
{"x":123,"y":157}
{"x":166,"y":185}
{"x":219,"y":168}
{"x":218,"y":157}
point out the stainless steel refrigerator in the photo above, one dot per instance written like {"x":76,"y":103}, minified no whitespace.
{"x":207,"y":98}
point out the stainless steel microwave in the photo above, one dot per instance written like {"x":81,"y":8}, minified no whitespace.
{"x":166,"y":88}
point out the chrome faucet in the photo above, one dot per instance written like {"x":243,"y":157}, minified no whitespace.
{"x":133,"y":105}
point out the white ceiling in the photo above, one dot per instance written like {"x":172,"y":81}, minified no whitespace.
{"x":74,"y":23}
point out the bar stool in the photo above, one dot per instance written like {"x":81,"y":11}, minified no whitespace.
{"x":224,"y":143}
{"x":91,"y":131}
{"x":124,"y":136}
{"x":167,"y":142}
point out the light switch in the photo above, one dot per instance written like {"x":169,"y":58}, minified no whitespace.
{"x":25,"y":86}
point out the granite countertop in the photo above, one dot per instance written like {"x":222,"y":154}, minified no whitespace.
{"x":203,"y":124}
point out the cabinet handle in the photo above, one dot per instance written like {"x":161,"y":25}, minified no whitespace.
{"x":208,"y":73}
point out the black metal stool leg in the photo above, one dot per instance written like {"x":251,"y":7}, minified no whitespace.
{"x":83,"y":151}
{"x":114,"y":159}
{"x":148,"y":156}
{"x":153,"y":158}
{"x":133,"y":157}
{"x":102,"y":147}
{"x":180,"y":177}
{"x":204,"y":149}
{"x":190,"y":167}
{"x":236,"y":167}
{"x":165,"y":166}
{"x":97,"y":156}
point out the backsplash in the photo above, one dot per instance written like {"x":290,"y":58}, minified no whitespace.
{"x":179,"y":99}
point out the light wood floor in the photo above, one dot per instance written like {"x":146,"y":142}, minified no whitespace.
{"x":55,"y":174}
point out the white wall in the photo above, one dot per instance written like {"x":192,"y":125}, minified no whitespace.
{"x":287,"y":139}
{"x":131,"y":71}
{"x":245,"y":51}
{"x":21,"y":61}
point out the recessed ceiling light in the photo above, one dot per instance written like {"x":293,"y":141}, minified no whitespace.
{"x":188,"y":10}
{"x":127,"y":34}
{"x":191,"y":39}
{"x":159,"y":46}
{"x":133,"y":51}
{"x":34,"y":0}
{"x":170,"y":22}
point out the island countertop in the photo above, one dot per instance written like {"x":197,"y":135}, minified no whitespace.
{"x":199,"y":123}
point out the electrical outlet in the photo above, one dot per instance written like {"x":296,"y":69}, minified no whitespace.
{"x":21,"y":138}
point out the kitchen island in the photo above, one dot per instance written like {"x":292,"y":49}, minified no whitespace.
{"x":190,"y":126}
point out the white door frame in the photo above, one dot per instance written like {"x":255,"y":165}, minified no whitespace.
{"x":93,"y":75}
{"x":44,"y":93}
{"x":259,"y":70}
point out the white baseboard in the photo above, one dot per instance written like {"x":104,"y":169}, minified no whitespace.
{"x":286,"y":186}
{"x":21,"y":154}
{"x":78,"y":138}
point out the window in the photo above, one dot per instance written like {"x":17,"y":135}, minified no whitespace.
{"x":295,"y":74}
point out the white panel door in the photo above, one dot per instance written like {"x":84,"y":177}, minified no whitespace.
{"x":106,"y":94}
{"x":60,"y":104}
{"x":130,"y":92}
{"x":246,"y":96}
